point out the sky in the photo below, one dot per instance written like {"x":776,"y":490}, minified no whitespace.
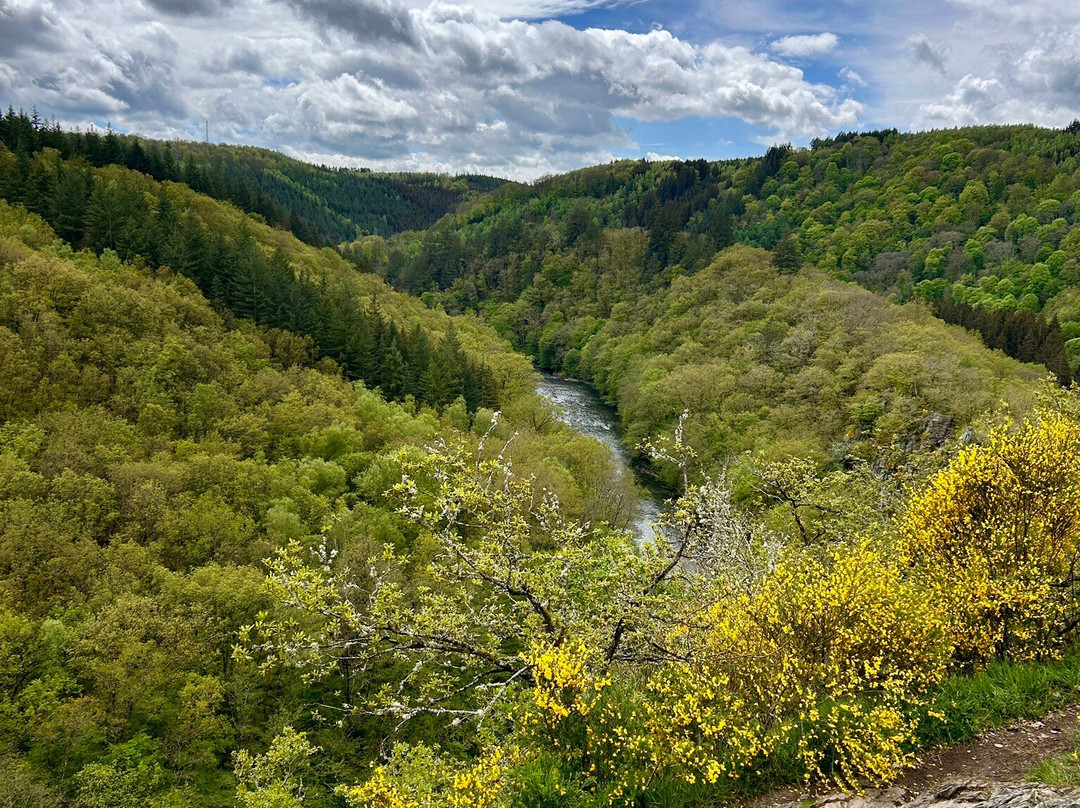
{"x":521,"y":89}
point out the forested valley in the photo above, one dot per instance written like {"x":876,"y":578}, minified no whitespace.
{"x":284,"y":521}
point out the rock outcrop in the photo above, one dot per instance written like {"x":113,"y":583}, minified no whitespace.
{"x":957,"y":794}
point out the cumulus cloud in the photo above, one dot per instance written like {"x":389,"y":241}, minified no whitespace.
{"x":531,"y":9}
{"x":398,"y":83}
{"x":1038,"y":83}
{"x":186,"y":8}
{"x":26,"y":26}
{"x":366,"y":20}
{"x":803,"y":45}
{"x":1024,"y":11}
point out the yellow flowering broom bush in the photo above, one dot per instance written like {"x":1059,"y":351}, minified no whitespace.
{"x":995,"y":539}
{"x":418,"y":777}
{"x":832,"y":659}
{"x":595,"y":728}
{"x":834,"y":656}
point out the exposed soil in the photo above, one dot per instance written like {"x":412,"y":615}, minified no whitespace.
{"x":1006,"y":754}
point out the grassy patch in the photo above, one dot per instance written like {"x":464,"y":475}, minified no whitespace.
{"x":1000,"y":693}
{"x":1063,"y":770}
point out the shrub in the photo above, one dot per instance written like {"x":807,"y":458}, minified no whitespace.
{"x":833,"y":657}
{"x":995,"y":538}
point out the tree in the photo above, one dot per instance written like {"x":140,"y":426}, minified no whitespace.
{"x":513,"y":573}
{"x":116,"y":217}
{"x":688,"y":657}
{"x":785,"y":256}
{"x":69,"y":204}
{"x":275,"y":779}
{"x":445,"y":376}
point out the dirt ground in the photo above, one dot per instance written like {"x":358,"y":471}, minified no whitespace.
{"x":1002,"y":755}
{"x":1005,"y":754}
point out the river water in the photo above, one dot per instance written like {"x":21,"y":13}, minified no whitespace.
{"x":582,"y":409}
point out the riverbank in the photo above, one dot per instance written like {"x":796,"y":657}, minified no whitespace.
{"x":581,"y":408}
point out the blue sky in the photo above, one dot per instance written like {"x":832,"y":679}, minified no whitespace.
{"x":522,"y":88}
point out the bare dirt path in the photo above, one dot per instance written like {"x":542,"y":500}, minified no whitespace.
{"x":1002,"y":755}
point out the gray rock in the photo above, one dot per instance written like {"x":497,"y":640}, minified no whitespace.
{"x":975,"y":794}
{"x":960,"y":794}
{"x":936,"y":428}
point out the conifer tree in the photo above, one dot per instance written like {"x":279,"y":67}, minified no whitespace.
{"x":785,"y":256}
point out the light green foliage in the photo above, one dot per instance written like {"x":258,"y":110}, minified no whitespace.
{"x":508,"y":571}
{"x":823,"y":658}
{"x":930,"y":214}
{"x":770,"y":363}
{"x":275,"y":779}
{"x":152,"y":454}
{"x":696,"y":659}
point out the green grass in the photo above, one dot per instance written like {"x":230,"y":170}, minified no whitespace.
{"x":1063,"y":770}
{"x":999,"y":694}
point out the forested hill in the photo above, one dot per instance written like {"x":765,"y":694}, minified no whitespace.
{"x":987,"y":217}
{"x":338,"y":205}
{"x":155,"y":453}
{"x":274,"y":534}
{"x":319,"y":205}
{"x":319,"y":304}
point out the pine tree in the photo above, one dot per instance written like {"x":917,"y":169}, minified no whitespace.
{"x":70,"y":201}
{"x":40,"y":187}
{"x":417,"y":359}
{"x":393,"y":372}
{"x":785,"y":255}
{"x":445,"y":376}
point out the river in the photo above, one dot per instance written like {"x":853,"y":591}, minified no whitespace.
{"x":582,"y":409}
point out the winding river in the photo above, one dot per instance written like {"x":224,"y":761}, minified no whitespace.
{"x":582,"y":409}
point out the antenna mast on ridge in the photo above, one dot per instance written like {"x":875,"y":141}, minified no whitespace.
{"x":208,"y":130}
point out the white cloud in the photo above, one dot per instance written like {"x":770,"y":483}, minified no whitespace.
{"x":1037,"y":12}
{"x":1039,"y":83}
{"x":395,"y":84}
{"x":529,"y":9}
{"x":850,"y":78}
{"x":803,"y":45}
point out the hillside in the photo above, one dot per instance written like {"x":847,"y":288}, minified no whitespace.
{"x":318,"y":204}
{"x":265,"y":274}
{"x":338,"y":205}
{"x":153,"y":454}
{"x":275,"y":534}
{"x":788,"y":364}
{"x":984,"y":216}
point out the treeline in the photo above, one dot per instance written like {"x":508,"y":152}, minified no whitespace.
{"x":687,"y":210}
{"x":339,"y":204}
{"x":27,"y":134}
{"x":989,"y":216}
{"x":1022,"y":335}
{"x":116,"y":210}
{"x":318,"y":204}
{"x":784,"y":365}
